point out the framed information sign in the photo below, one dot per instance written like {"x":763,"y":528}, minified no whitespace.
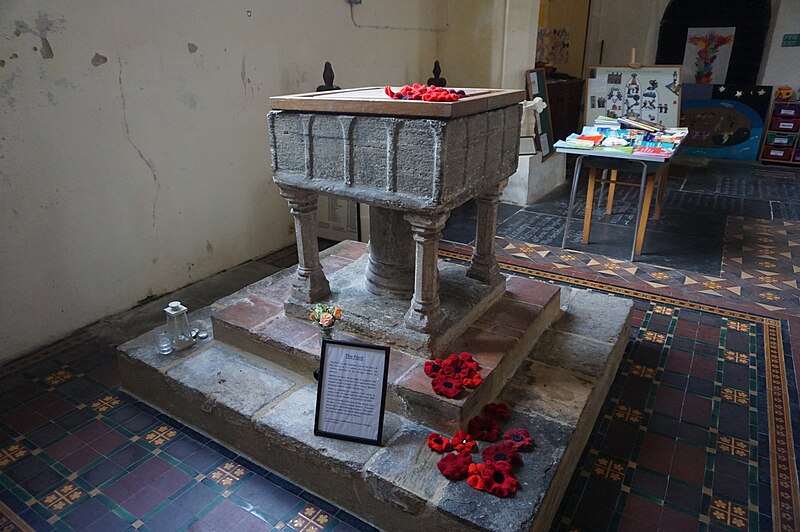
{"x":536,"y":85}
{"x":351,"y":396}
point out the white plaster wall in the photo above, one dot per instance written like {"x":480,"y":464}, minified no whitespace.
{"x":471,"y":51}
{"x":487,"y":43}
{"x":780,"y":65}
{"x":519,"y":42}
{"x":150,"y":171}
{"x":620,"y":30}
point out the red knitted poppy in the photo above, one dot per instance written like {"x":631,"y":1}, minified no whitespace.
{"x":433,"y":367}
{"x":497,"y":411}
{"x":474,"y":380}
{"x":483,"y":428}
{"x":438,"y":443}
{"x":447,"y":385}
{"x":463,"y":442}
{"x":456,"y":366}
{"x":455,"y":466}
{"x":498,"y":478}
{"x":502,"y":452}
{"x":467,"y":357}
{"x":424,"y":92}
{"x":475,"y":477}
{"x":521,"y":439}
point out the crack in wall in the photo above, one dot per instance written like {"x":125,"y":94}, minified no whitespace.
{"x":149,"y":164}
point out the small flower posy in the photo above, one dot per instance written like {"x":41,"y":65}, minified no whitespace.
{"x":496,"y":474}
{"x":325,"y":316}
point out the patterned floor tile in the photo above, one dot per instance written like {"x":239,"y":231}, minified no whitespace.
{"x":12,"y":453}
{"x":310,"y":519}
{"x":105,"y":404}
{"x":160,"y":435}
{"x":227,"y":474}
{"x":63,"y":497}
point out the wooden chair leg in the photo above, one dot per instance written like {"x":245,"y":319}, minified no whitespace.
{"x":612,"y":186}
{"x":648,"y":197}
{"x":663,"y":174}
{"x":587,"y":216}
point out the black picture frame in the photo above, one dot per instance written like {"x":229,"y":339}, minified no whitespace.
{"x":381,"y":355}
{"x":536,"y":85}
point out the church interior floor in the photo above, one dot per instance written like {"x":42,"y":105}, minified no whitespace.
{"x":699,"y":430}
{"x":691,"y":436}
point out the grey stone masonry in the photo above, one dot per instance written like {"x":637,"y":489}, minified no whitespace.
{"x":310,"y":284}
{"x":414,"y":171}
{"x":266,"y":413}
{"x":484,"y":265}
{"x":399,"y":163}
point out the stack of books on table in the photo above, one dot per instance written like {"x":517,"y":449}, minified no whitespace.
{"x":637,"y":123}
{"x":578,"y":142}
{"x":606,"y":122}
{"x":658,"y":150}
{"x":635,"y":141}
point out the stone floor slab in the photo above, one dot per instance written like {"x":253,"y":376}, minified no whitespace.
{"x":592,"y":314}
{"x":242,"y":384}
{"x":404,"y":474}
{"x":518,"y":513}
{"x":293,"y":420}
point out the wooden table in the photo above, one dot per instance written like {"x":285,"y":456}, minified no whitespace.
{"x":653,"y":169}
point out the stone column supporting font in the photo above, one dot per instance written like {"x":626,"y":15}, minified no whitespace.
{"x":390,"y":268}
{"x":310,"y":284}
{"x":484,"y":265}
{"x":425,"y":313}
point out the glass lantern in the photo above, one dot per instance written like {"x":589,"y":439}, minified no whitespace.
{"x":178,"y":326}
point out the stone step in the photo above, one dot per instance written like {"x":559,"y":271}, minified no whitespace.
{"x":499,"y":341}
{"x":266,"y":411}
{"x":253,"y":320}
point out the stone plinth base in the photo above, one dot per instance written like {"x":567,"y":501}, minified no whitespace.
{"x":382,"y":320}
{"x":266,"y":412}
{"x":499,"y":336}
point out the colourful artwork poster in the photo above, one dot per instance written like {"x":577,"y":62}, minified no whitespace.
{"x":724,"y":121}
{"x":552,"y":46}
{"x":707,"y":54}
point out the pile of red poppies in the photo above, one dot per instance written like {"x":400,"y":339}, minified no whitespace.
{"x":496,"y":474}
{"x":453,"y":374}
{"x":425,"y":93}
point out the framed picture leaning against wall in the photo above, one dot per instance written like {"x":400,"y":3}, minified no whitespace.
{"x":536,"y":85}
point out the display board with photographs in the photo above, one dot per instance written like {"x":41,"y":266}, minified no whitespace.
{"x":651,"y":93}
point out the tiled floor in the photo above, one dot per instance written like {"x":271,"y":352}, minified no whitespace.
{"x":700,"y":199}
{"x":698,"y":430}
{"x":77,"y":453}
{"x":684,"y":440}
{"x":696,"y":433}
